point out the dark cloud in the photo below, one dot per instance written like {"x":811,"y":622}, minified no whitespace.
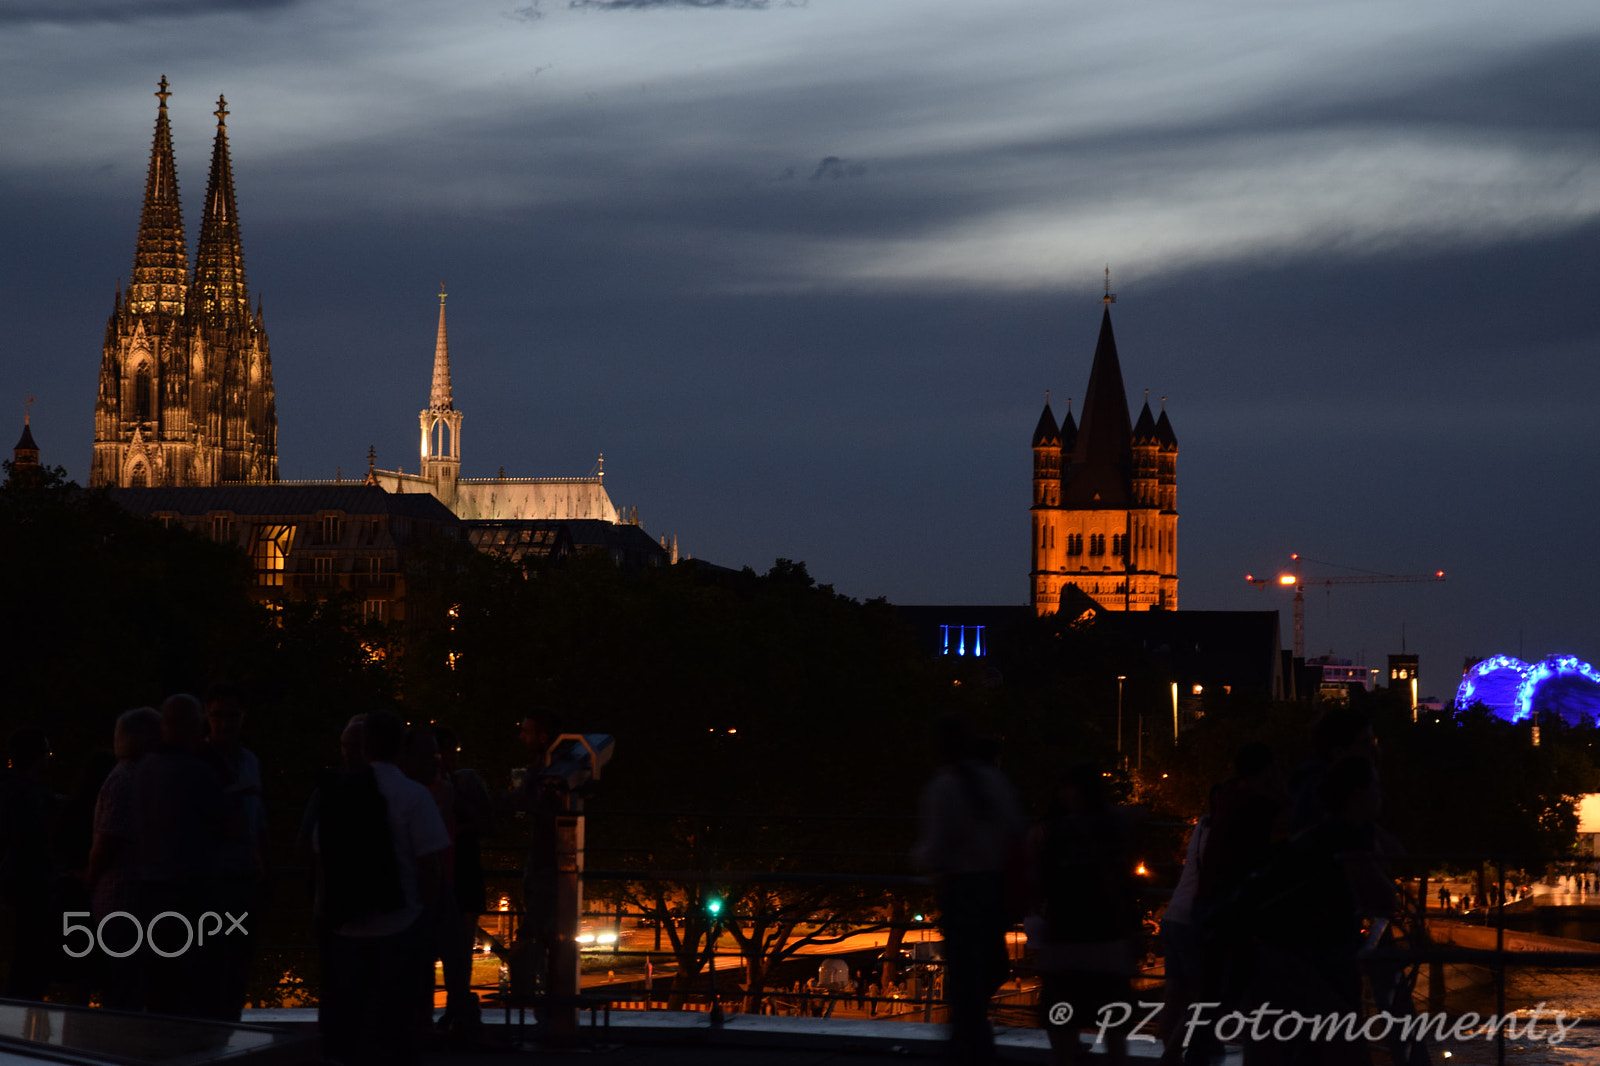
{"x":82,"y":11}
{"x":647,"y":5}
{"x":836,"y":168}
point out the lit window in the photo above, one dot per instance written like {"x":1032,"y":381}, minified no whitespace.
{"x":375,"y":610}
{"x":270,"y":552}
{"x":331,"y":529}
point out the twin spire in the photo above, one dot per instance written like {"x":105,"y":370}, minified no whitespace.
{"x":161,"y":283}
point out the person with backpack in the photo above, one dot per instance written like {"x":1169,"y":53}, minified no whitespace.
{"x":971,"y":829}
{"x":381,"y":845}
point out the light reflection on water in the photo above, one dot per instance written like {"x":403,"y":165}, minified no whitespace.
{"x":1576,"y":993}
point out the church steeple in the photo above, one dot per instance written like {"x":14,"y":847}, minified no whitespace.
{"x":439,"y":397}
{"x":1102,"y":454}
{"x":219,"y":283}
{"x":441,"y":422}
{"x":160,"y":261}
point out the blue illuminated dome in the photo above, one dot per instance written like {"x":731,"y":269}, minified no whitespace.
{"x":1560,"y":686}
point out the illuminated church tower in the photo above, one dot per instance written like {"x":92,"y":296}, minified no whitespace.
{"x":1105,"y":497}
{"x":441,"y":422}
{"x":186,"y":393}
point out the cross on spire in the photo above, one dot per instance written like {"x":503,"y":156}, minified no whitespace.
{"x":1110,"y":297}
{"x":222,"y":110}
{"x":162,"y":94}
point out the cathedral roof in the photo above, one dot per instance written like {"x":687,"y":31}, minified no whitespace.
{"x":1164,"y":435}
{"x":1102,"y":456}
{"x":1144,"y":431}
{"x":283,"y":501}
{"x":26,"y":443}
{"x":1045,"y":434}
{"x":1069,"y":430}
{"x":160,"y":260}
{"x":220,"y":296}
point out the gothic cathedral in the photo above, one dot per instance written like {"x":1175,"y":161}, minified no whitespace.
{"x":186,"y":377}
{"x":1105,"y":498}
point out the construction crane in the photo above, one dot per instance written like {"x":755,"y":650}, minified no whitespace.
{"x":1298,"y":582}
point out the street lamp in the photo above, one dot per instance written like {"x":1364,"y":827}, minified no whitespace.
{"x":1120,"y":679}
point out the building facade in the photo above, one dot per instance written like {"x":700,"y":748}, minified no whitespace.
{"x":308,"y":541}
{"x":186,"y":395}
{"x":1105,"y":498}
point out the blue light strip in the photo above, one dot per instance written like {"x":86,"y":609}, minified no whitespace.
{"x":1467,"y":694}
{"x":1548,"y":669}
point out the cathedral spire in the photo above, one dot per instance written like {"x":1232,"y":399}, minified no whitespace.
{"x":221,"y":296}
{"x":439,"y":398}
{"x":160,"y":261}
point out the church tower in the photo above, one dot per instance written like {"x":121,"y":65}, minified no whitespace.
{"x":1104,"y":511}
{"x":185,"y":377}
{"x":441,"y":422}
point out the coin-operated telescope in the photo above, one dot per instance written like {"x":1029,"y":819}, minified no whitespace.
{"x":572,"y":768}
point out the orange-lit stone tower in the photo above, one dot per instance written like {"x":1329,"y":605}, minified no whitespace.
{"x":1105,"y":497}
{"x":186,"y":392}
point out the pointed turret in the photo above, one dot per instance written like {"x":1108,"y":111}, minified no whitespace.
{"x":220,"y":296}
{"x":160,"y":261}
{"x":1102,"y":454}
{"x":1069,"y":431}
{"x":1164,"y":435}
{"x":1045,"y":434}
{"x":439,"y":398}
{"x":1144,"y":430}
{"x":26,"y":453}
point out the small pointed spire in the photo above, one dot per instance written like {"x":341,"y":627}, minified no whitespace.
{"x":1110,"y":297}
{"x":372,"y":464}
{"x":439,"y":399}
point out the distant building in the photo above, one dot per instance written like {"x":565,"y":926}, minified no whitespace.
{"x":1403,"y":678}
{"x":1105,"y":498}
{"x":308,"y":541}
{"x":186,"y":393}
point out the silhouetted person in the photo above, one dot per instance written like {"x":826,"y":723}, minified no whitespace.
{"x":29,"y":808}
{"x":113,"y":874}
{"x":971,"y":830}
{"x":441,"y":919}
{"x":179,"y":811}
{"x":537,"y":934}
{"x":1083,"y":854}
{"x":242,"y":863}
{"x":474,"y":819}
{"x":1339,"y":734}
{"x":1307,"y":910}
{"x":1184,"y":945}
{"x":382,"y":845}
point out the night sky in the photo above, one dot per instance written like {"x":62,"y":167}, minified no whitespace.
{"x":804,"y":271}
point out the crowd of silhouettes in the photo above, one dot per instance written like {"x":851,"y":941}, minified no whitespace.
{"x":1284,"y":875}
{"x":160,"y":841}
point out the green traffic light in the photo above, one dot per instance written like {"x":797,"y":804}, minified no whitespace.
{"x":713,"y":906}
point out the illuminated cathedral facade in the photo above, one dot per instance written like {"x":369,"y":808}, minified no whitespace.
{"x":185,"y":394}
{"x":1105,"y":498}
